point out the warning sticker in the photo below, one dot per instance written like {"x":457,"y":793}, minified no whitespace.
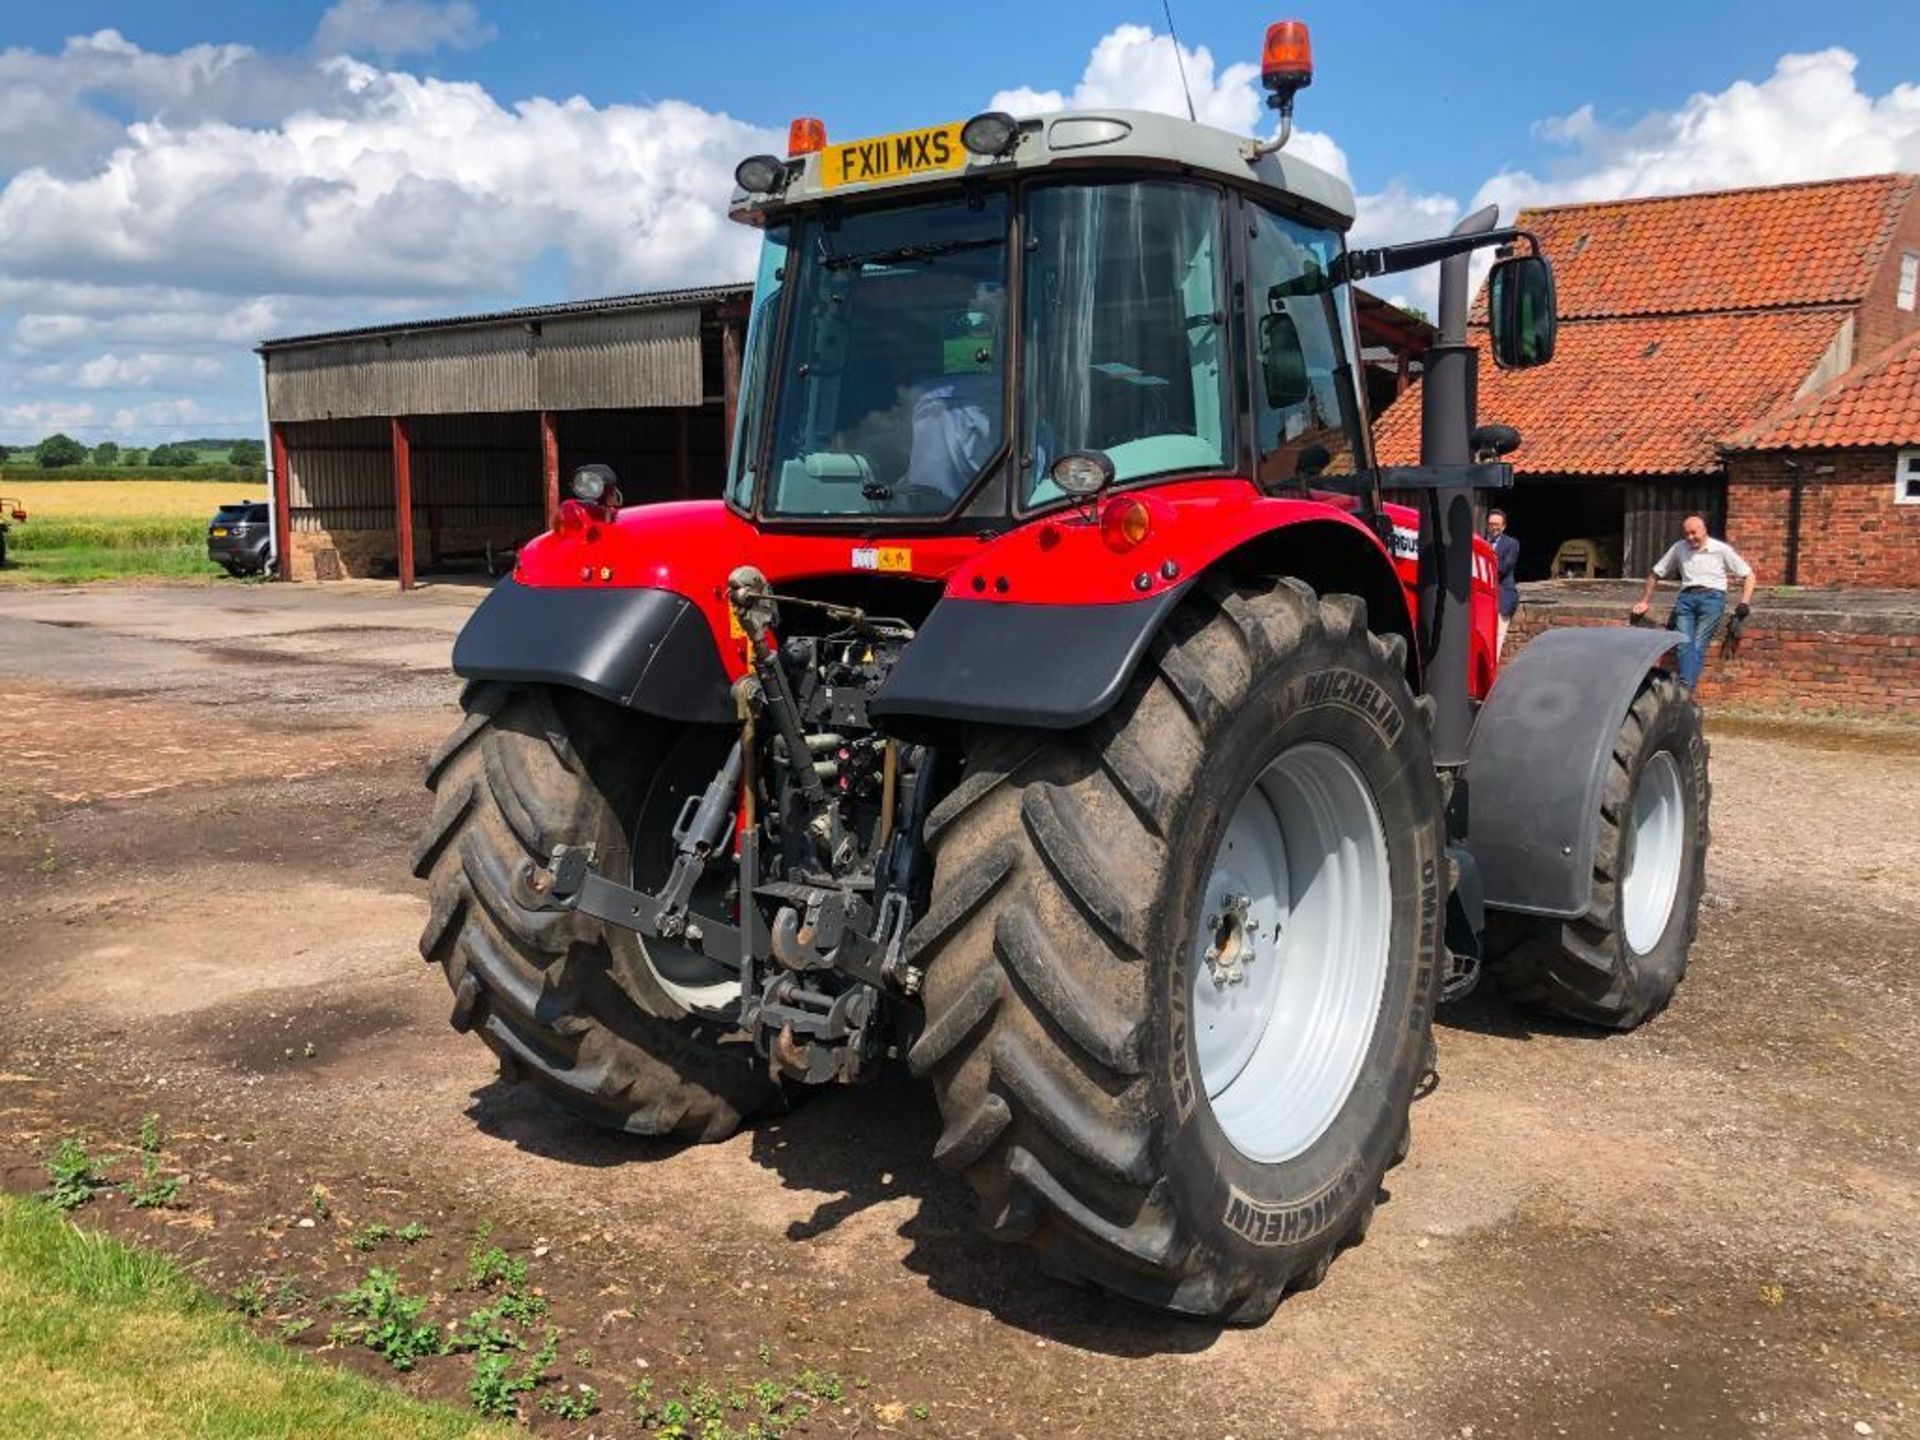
{"x":883,"y":557}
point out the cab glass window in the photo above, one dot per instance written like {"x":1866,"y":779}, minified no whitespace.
{"x":1125,"y":331}
{"x":890,"y":393}
{"x":750,"y":423}
{"x":1306,"y":418}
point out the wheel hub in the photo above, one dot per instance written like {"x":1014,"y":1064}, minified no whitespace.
{"x":1235,"y":940}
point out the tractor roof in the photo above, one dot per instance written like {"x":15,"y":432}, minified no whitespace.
{"x":1073,"y":139}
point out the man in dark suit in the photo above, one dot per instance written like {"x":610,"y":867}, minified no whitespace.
{"x":1506,"y":554}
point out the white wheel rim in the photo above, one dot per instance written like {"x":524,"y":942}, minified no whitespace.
{"x":1658,"y":825}
{"x":1290,"y":952}
{"x":706,"y":999}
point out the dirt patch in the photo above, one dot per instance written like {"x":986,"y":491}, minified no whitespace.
{"x":1704,"y":1227}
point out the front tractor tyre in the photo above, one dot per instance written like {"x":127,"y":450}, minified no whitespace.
{"x":1618,"y":964}
{"x":1181,"y":965}
{"x":624,"y":1037}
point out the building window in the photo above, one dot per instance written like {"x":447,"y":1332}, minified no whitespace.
{"x":1906,"y":478}
{"x":1909,"y":278}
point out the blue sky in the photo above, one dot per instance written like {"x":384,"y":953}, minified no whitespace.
{"x":210,"y":173}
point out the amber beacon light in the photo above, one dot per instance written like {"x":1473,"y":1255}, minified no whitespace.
{"x":1286,"y":62}
{"x":806,"y":136}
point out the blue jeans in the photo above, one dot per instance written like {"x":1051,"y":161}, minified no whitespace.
{"x":1697,"y":615}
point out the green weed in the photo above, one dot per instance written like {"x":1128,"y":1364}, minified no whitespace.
{"x":75,"y":1175}
{"x":150,"y":1192}
{"x":571,"y":1404}
{"x":368,"y":1236}
{"x":249,"y":1297}
{"x":764,"y":1410}
{"x":390,"y":1323}
{"x":489,"y":1265}
{"x":496,"y":1387}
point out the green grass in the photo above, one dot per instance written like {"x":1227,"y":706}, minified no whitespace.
{"x":99,"y":1339}
{"x":106,"y":562}
{"x":70,"y":551}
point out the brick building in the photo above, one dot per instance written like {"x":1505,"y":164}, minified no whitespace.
{"x":1685,"y":322}
{"x":1826,"y":492}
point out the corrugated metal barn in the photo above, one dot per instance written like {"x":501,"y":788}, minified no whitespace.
{"x":437,"y":447}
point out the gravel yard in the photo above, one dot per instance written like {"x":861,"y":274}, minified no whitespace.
{"x":207,"y":797}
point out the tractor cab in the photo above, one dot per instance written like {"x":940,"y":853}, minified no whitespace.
{"x":974,"y":323}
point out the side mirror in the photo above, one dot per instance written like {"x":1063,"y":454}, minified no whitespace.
{"x":1283,"y":360}
{"x":1521,"y":311}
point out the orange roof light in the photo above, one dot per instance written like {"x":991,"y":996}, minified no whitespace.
{"x":1286,"y":64}
{"x":806,"y":136}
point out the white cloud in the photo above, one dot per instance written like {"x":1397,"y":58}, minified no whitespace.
{"x":177,"y":415}
{"x":1131,"y":66}
{"x":387,"y":29}
{"x":429,"y":187}
{"x":38,"y":417}
{"x":129,"y":372}
{"x":251,"y":196}
{"x":1808,"y":120}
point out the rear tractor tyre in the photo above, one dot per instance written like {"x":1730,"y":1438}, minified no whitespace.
{"x":1181,"y":964}
{"x":574,"y":1008}
{"x":1619,"y":964}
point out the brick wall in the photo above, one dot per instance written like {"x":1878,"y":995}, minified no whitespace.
{"x":369,"y":554}
{"x":1851,"y":531}
{"x":1879,"y":321}
{"x":1813,"y":654}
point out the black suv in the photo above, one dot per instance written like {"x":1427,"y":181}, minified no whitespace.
{"x":240,"y":538}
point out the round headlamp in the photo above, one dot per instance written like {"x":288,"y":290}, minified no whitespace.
{"x":760,"y":174}
{"x":991,"y":132}
{"x":591,"y":483}
{"x":1082,"y":473}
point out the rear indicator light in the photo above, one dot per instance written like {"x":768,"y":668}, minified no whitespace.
{"x":1124,"y":523}
{"x":571,"y":518}
{"x":806,"y":136}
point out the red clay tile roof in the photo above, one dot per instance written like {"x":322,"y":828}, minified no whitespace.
{"x":1810,"y":244}
{"x":1877,"y":403}
{"x":1642,"y":396}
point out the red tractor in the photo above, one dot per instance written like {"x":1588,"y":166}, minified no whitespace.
{"x":1053,"y":704}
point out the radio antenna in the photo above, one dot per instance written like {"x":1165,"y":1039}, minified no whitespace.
{"x":1179,"y":62}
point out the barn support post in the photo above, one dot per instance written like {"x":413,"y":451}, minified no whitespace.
{"x":730,"y":374}
{"x":282,"y":490}
{"x":550,"y":464}
{"x":682,"y":454}
{"x":403,"y":499}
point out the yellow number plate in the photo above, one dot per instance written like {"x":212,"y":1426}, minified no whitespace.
{"x":219,"y":534}
{"x":892,"y":157}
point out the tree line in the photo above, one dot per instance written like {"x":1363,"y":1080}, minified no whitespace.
{"x":59,"y":451}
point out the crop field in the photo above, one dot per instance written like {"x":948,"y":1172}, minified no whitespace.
{"x":80,"y":530}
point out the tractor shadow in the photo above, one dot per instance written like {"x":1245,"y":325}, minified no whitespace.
{"x":1485,"y":1012}
{"x":531,"y":1123}
{"x":873,"y":1146}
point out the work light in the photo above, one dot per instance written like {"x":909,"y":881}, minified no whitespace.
{"x":759,"y":174}
{"x":1082,"y":472}
{"x":591,"y":483}
{"x":991,"y":132}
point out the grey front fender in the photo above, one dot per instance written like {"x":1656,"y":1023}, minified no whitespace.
{"x":1538,"y":759}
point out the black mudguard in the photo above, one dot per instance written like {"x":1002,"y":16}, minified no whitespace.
{"x":1000,"y":663}
{"x":1538,"y":759}
{"x":650,"y":650}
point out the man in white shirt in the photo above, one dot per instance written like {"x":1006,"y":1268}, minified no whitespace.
{"x":1703,"y":566}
